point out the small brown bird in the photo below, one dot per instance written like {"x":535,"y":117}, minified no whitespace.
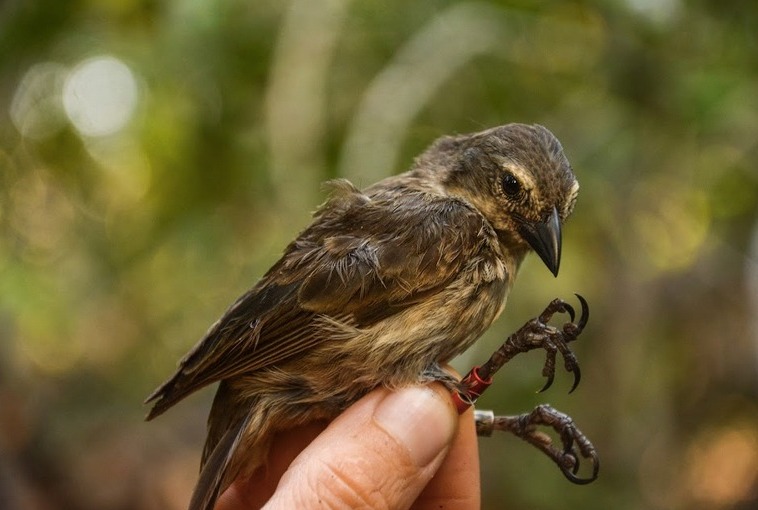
{"x":385,"y":286}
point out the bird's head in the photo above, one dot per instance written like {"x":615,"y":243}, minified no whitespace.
{"x":518,"y":177}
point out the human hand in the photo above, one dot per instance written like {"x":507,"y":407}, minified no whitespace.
{"x":391,"y":449}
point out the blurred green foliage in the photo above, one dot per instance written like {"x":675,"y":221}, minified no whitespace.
{"x":129,"y":222}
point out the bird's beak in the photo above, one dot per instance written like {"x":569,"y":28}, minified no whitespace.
{"x":545,"y":240}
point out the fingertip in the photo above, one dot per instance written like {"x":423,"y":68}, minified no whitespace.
{"x":422,"y":419}
{"x":456,"y":484}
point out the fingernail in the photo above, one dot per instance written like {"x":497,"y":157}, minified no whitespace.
{"x":419,"y":419}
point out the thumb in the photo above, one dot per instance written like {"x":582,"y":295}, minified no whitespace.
{"x":380,"y":453}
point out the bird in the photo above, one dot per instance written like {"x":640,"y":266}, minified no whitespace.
{"x":385,"y":286}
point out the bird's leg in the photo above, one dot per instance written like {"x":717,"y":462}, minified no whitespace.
{"x":537,"y":334}
{"x":575,"y":444}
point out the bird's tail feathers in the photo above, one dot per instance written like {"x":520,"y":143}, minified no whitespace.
{"x":165,"y":396}
{"x":214,"y":475}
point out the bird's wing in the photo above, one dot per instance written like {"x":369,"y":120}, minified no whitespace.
{"x":364,"y":258}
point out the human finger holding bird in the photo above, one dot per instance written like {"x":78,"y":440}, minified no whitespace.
{"x":374,"y":455}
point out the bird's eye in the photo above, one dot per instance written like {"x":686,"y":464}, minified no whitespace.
{"x":511,"y":186}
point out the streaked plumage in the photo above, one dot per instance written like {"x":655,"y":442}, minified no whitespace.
{"x":384,"y":286}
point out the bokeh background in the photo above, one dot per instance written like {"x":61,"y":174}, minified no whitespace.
{"x":156,"y":156}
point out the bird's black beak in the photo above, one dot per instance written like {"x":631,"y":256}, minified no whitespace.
{"x":545,"y":240}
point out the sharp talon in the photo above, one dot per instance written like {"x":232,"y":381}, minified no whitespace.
{"x":585,"y":313}
{"x":571,"y":475}
{"x":577,"y":378}
{"x":548,"y":383}
{"x":595,"y":468}
{"x":575,"y":479}
{"x":570,"y":311}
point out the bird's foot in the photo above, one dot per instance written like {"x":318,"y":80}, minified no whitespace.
{"x":575,"y":445}
{"x":539,"y":334}
{"x":535,"y":334}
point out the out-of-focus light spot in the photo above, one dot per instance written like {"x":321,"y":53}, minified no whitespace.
{"x":657,"y":11}
{"x":36,"y":110}
{"x":722,"y":467}
{"x":100,"y":96}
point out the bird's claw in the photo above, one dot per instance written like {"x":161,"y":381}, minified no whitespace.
{"x":557,"y":306}
{"x":570,"y":329}
{"x":575,"y":445}
{"x":537,"y":333}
